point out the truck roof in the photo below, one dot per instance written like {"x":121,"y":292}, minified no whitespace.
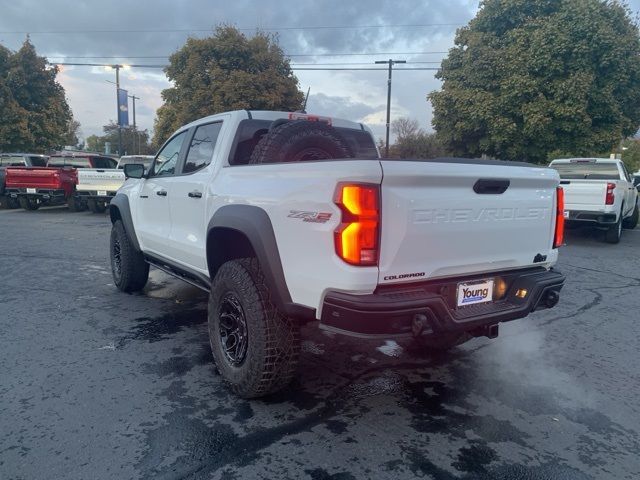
{"x":22,"y":154}
{"x":586,"y":160}
{"x":276,"y":115}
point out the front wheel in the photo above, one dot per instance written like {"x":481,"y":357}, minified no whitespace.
{"x":129,"y":269}
{"x":29,"y":203}
{"x":254,"y":345}
{"x":631,"y":222}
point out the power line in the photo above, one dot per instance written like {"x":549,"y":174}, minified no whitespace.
{"x":211,"y":29}
{"x":93,"y":57}
{"x":292,"y":68}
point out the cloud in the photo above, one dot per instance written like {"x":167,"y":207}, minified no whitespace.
{"x":89,"y":27}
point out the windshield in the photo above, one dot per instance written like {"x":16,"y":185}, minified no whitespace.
{"x":77,"y":162}
{"x":144,"y":160}
{"x":587,"y":170}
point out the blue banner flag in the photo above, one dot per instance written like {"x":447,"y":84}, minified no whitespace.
{"x":123,"y":108}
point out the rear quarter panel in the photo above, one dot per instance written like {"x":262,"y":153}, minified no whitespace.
{"x":291,"y":194}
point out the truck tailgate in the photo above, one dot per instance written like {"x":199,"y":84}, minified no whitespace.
{"x":99,"y":179}
{"x":434,"y":224}
{"x":38,"y":177}
{"x":584,"y":194}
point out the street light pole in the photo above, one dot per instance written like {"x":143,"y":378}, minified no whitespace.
{"x":118,"y":67}
{"x":391,"y":64}
{"x":135,"y":130}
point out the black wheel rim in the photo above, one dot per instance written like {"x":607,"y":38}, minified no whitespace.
{"x":116,"y":259}
{"x":233,"y":330}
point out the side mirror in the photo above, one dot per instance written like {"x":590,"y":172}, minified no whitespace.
{"x":134,"y":170}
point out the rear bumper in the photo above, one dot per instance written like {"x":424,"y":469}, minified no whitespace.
{"x":429,"y":307}
{"x":44,"y":194}
{"x":590,"y":217}
{"x":93,"y":195}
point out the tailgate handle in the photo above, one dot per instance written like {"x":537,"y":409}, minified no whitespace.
{"x":564,"y":182}
{"x":491,"y":186}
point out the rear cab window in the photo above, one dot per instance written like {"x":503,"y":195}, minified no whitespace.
{"x":250,"y":132}
{"x":587,"y":170}
{"x":12,"y":161}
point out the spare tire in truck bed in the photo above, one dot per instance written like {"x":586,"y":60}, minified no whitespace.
{"x":298,"y":141}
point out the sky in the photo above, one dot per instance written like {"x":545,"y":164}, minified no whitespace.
{"x":146,"y":32}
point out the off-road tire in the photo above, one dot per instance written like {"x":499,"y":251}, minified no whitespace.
{"x":133,"y":271}
{"x":631,"y":222}
{"x":75,"y":204}
{"x":300,"y":140}
{"x":96,"y":207}
{"x":29,"y":203}
{"x":5,"y":202}
{"x":613,"y":233}
{"x":273,"y":340}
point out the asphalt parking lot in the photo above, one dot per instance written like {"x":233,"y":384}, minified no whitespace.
{"x":97,"y":384}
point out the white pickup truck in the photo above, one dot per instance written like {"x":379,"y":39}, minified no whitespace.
{"x":97,"y":186}
{"x":288,"y":218}
{"x":598,"y":192}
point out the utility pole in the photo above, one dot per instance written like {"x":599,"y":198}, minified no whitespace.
{"x":135,"y":130}
{"x":391,"y":64}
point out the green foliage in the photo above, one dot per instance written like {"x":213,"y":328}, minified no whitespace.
{"x":631,"y":155}
{"x":35,"y":114}
{"x":226,"y":71}
{"x":413,"y":142}
{"x":131,"y":143}
{"x":528,"y":77}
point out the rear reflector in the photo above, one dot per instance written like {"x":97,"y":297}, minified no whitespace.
{"x":558,"y":238}
{"x":357,"y":236}
{"x":610,"y":197}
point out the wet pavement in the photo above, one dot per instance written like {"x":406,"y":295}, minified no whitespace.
{"x":97,"y":384}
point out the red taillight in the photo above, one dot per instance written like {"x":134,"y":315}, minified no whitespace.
{"x":558,"y":238}
{"x":610,"y":198}
{"x":356,"y":237}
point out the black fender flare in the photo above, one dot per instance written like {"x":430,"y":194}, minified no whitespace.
{"x":254,"y":223}
{"x":119,"y":209}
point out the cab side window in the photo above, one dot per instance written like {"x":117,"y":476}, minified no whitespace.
{"x":202,"y":146}
{"x":166,"y":160}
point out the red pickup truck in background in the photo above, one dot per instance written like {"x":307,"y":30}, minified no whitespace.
{"x":37,"y":186}
{"x":51,"y":185}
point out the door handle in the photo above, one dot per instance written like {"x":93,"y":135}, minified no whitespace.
{"x":195,"y":194}
{"x":162,"y":193}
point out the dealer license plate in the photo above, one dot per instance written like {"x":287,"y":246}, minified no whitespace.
{"x":31,"y":190}
{"x":102,"y":193}
{"x":475,"y":292}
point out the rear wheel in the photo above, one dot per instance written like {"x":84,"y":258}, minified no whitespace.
{"x":631,"y":222}
{"x":255,"y":346}
{"x":29,"y":203}
{"x":95,"y":206}
{"x":130,"y":270}
{"x":75,"y":204}
{"x":614,"y":232}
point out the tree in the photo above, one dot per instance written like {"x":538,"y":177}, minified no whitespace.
{"x":35,"y":114}
{"x":132,"y":143}
{"x":227,"y":71}
{"x":404,"y":127}
{"x":73,"y":131}
{"x":527,"y":77}
{"x":414,"y":142}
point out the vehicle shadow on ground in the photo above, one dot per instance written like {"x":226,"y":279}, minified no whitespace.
{"x":346,"y":391}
